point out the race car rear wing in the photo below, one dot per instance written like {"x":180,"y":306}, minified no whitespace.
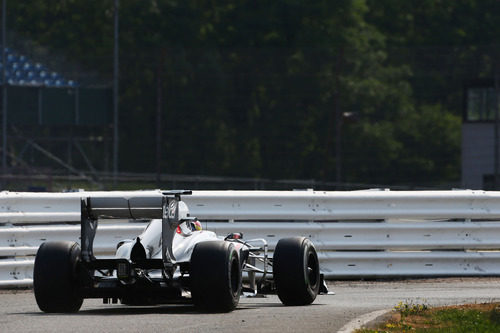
{"x":162,"y":205}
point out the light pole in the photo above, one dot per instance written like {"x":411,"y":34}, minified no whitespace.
{"x":4,"y":91}
{"x":496,"y":131}
{"x":115,"y":94}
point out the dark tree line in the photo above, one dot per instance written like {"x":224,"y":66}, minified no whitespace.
{"x":261,"y":88}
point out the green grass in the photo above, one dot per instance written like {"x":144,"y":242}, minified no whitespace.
{"x":484,"y":318}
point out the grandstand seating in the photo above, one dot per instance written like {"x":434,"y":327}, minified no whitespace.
{"x":21,"y":71}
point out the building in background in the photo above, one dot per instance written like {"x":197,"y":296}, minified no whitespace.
{"x":55,"y":125}
{"x":480,"y":133}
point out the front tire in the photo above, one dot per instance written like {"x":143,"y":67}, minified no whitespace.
{"x":296,"y":271}
{"x":54,"y":277}
{"x":215,"y":274}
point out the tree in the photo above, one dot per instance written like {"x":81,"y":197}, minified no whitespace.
{"x":255,"y":88}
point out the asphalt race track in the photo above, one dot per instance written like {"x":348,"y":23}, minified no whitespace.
{"x":19,"y":312}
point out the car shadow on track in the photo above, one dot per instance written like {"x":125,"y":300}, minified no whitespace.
{"x":178,"y":309}
{"x":125,"y":310}
{"x":144,"y":310}
{"x":139,"y":310}
{"x":188,"y":309}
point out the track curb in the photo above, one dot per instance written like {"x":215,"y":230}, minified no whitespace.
{"x":362,"y":320}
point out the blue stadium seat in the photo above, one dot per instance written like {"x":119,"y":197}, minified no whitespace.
{"x":43,"y":75}
{"x":54,"y":75}
{"x":27,"y":66}
{"x":61,"y":83}
{"x":11,"y":58}
{"x":39,"y":67}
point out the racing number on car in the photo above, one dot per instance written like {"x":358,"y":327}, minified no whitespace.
{"x":172,"y":208}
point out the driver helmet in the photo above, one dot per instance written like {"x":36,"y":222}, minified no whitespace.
{"x":196,"y":225}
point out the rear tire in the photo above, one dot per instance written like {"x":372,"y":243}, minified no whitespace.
{"x":54,"y":277}
{"x":215,"y":274}
{"x":296,"y":271}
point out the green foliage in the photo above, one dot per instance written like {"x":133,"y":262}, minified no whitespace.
{"x":251,"y":88}
{"x":410,"y":308}
{"x":464,"y":321}
{"x":421,"y":318}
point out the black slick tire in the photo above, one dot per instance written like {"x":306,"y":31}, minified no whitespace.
{"x":296,"y":271}
{"x":215,"y":275}
{"x":54,"y":277}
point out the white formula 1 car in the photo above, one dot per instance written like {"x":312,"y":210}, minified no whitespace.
{"x":172,"y":261}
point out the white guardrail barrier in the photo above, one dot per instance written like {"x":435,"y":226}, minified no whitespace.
{"x":371,"y":233}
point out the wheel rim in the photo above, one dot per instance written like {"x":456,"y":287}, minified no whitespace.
{"x":235,"y":277}
{"x":312,"y":270}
